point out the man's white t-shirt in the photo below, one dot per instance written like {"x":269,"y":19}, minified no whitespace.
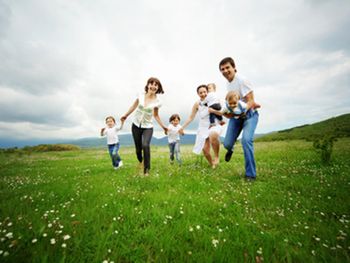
{"x":241,"y":85}
{"x":173,"y":133}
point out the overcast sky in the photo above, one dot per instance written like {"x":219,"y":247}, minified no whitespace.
{"x":66,"y":65}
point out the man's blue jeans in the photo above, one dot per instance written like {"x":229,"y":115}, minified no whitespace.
{"x":248,"y":125}
{"x":113,"y":152}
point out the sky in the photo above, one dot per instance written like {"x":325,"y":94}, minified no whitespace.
{"x":66,"y":65}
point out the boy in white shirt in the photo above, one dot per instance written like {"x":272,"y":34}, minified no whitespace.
{"x":174,"y":131}
{"x":111,"y":132}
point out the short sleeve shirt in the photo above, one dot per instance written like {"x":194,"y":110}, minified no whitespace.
{"x":241,"y":85}
{"x":143,"y":114}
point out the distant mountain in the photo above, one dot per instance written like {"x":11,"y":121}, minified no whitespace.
{"x":338,"y":126}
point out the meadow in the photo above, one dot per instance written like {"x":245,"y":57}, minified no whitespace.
{"x":73,"y":207}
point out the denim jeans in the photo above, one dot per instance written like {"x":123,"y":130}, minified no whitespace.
{"x":113,"y":152}
{"x":174,"y":148}
{"x":248,"y":125}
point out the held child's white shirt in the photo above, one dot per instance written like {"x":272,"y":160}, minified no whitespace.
{"x":211,"y":98}
{"x":173,"y":133}
{"x":112,"y":134}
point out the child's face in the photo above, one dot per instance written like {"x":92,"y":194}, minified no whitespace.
{"x":211,"y":88}
{"x":232,"y":102}
{"x":110,"y":123}
{"x":175,"y":122}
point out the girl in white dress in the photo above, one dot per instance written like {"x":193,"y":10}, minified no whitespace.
{"x":206,"y":136}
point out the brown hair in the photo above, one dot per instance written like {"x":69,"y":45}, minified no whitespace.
{"x":202,"y":86}
{"x":110,"y":117}
{"x":228,"y":60}
{"x":155,"y":80}
{"x":174,"y":116}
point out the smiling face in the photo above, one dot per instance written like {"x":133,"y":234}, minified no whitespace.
{"x":110,"y":122}
{"x":175,"y":122}
{"x":202,"y":92}
{"x":228,"y":71}
{"x":152,"y":87}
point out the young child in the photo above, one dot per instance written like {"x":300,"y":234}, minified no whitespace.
{"x":174,"y":131}
{"x":111,"y":131}
{"x":212,"y":101}
{"x":234,"y":105}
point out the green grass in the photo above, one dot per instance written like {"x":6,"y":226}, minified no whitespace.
{"x":298,"y":210}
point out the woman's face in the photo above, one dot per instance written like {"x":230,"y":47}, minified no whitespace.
{"x":152,"y":87}
{"x":202,"y":93}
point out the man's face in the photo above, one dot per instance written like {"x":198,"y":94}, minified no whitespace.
{"x":228,"y":71}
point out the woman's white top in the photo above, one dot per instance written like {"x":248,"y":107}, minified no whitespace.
{"x":143,"y":115}
{"x":203,"y":129}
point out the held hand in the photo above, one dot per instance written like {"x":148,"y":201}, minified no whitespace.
{"x":165,"y":130}
{"x":181,"y":131}
{"x":103,"y":129}
{"x":229,"y":115}
{"x":123,"y":118}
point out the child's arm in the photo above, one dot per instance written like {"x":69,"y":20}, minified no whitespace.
{"x":102,"y":132}
{"x":131,"y":109}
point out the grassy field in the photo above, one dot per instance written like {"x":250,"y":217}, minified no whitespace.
{"x":73,"y":207}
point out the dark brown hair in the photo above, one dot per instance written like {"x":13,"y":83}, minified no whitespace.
{"x":202,"y":86}
{"x":110,"y":117}
{"x":228,"y":60}
{"x":174,"y":116}
{"x":155,"y":80}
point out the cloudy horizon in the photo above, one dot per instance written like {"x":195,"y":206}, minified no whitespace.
{"x":66,"y":65}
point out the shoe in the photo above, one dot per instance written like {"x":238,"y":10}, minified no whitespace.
{"x":250,"y":179}
{"x":228,"y":155}
{"x":120,"y":164}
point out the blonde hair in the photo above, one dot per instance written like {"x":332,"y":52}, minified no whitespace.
{"x":212,"y":84}
{"x":232,"y":95}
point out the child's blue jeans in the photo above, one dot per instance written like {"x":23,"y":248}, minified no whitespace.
{"x":174,"y":148}
{"x":248,"y":125}
{"x":113,"y":152}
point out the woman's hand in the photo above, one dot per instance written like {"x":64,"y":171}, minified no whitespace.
{"x":123,"y":118}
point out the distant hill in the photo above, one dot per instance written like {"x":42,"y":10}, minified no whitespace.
{"x":337,"y":126}
{"x":127,"y":140}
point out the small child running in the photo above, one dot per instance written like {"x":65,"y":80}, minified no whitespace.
{"x":174,"y":131}
{"x":111,"y":132}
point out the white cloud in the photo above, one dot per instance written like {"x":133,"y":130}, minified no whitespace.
{"x":68,"y":64}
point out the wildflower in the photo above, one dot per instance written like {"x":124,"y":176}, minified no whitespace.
{"x":72,"y":215}
{"x":44,"y":235}
{"x":34,"y":240}
{"x":49,"y":225}
{"x":6,"y":253}
{"x":259,"y":251}
{"x":52,"y":241}
{"x":191,"y":229}
{"x":215,"y":242}
{"x":198,"y":227}
{"x":9,"y":235}
{"x":66,"y":237}
{"x":64,"y":245}
{"x":9,"y":224}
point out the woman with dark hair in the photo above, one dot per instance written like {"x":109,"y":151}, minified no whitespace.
{"x":207,"y":135}
{"x":147,"y":105}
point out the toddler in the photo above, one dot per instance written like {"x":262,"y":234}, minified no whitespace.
{"x":111,"y":132}
{"x":212,"y":101}
{"x":174,"y":131}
